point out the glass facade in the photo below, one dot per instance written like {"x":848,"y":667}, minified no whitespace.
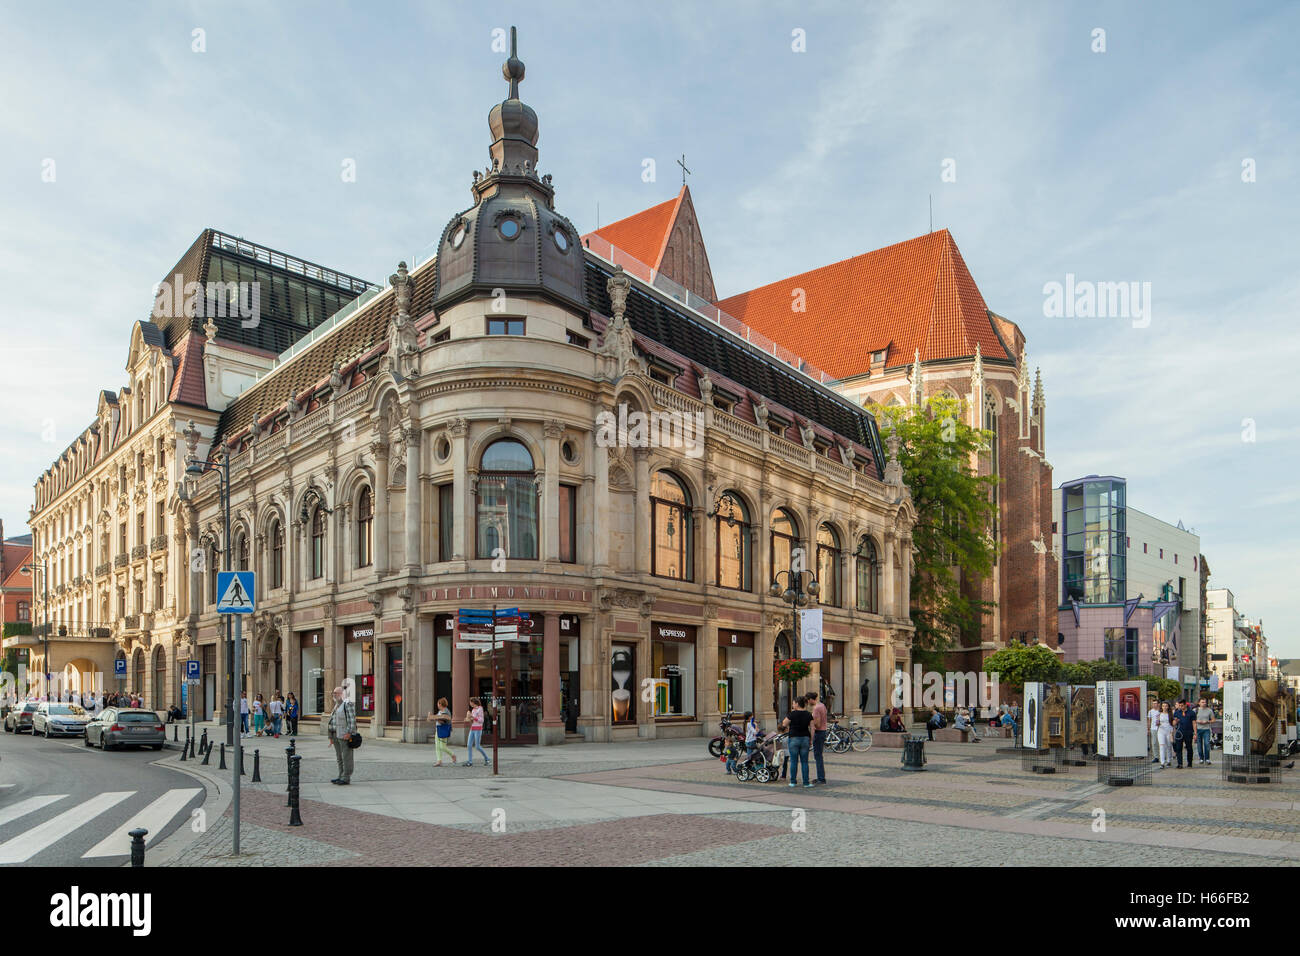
{"x":1093,"y":541}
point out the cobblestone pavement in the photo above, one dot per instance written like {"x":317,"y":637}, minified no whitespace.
{"x":661,"y":804}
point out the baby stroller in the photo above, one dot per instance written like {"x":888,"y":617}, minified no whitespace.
{"x":765,"y":762}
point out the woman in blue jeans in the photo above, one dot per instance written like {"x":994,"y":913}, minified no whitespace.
{"x":799,"y":741}
{"x":475,"y":742}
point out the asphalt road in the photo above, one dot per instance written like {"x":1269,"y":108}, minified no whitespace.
{"x":63,"y":804}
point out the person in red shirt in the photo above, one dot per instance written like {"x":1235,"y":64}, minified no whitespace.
{"x":819,"y":725}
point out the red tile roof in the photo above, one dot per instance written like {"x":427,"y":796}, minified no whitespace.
{"x":187,"y":386}
{"x":644,"y":236}
{"x":912,"y":295}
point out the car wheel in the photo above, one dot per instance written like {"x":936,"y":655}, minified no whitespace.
{"x":155,"y":746}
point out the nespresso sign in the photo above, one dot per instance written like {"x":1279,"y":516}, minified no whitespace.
{"x":674,"y":632}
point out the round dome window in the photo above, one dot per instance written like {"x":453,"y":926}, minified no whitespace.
{"x":509,"y":228}
{"x":458,"y":236}
{"x":561,"y":240}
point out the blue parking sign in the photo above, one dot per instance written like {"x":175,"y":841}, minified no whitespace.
{"x":191,"y":670}
{"x":119,"y":667}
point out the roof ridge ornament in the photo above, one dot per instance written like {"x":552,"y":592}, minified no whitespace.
{"x":513,"y":68}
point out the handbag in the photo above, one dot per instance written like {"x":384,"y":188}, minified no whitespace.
{"x":354,"y":741}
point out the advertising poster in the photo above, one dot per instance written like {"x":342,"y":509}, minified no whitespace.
{"x":1103,"y":719}
{"x":1264,"y":717}
{"x":1234,"y":718}
{"x":1032,"y":714}
{"x":1082,"y":725}
{"x":1121,"y":728}
{"x":810,"y":634}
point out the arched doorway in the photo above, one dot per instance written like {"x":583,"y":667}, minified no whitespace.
{"x":781,"y":690}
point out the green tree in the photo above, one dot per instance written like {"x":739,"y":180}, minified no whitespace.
{"x":1016,"y":663}
{"x":954,"y":506}
{"x":1076,"y":672}
{"x":1102,"y":669}
{"x":1162,"y":687}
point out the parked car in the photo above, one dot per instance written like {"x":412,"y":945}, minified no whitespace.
{"x":59,"y":720}
{"x":20,"y":718}
{"x":125,"y":727}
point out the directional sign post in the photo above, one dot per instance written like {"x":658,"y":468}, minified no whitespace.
{"x":236,"y":590}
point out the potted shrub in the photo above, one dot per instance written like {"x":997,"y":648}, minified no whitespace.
{"x":793,"y":670}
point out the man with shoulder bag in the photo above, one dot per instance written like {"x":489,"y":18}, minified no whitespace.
{"x":343,"y":735}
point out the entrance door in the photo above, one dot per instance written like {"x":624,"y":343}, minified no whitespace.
{"x":394,"y":713}
{"x":518,"y":690}
{"x":781,"y":689}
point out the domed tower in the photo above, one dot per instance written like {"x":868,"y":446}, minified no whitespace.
{"x":511,"y":238}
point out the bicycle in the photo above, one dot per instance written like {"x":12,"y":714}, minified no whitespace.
{"x":840,"y":739}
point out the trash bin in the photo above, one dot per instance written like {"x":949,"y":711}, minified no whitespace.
{"x":914,"y":753}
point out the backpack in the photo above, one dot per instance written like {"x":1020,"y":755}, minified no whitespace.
{"x":444,"y":729}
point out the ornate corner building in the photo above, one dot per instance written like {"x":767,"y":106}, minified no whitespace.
{"x":517,"y":421}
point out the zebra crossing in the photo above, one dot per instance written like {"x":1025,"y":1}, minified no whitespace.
{"x":23,"y":837}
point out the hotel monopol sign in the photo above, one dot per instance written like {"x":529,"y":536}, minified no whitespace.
{"x":499,"y":593}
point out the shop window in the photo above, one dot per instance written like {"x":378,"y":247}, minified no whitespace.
{"x":359,"y":667}
{"x":731,"y":539}
{"x":735,"y":672}
{"x":506,"y":502}
{"x":828,"y":566}
{"x":868,"y":681}
{"x":868,"y":576}
{"x":312,"y":695}
{"x":671,"y":543}
{"x":622,"y":666}
{"x":365,"y":526}
{"x":673,"y":670}
{"x":568,"y":523}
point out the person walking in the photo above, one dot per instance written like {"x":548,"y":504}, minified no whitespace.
{"x":243,"y":713}
{"x":1184,"y":732}
{"x":798,"y":743}
{"x":475,"y":741}
{"x":291,"y":714}
{"x":442,"y":731}
{"x":276,"y":709}
{"x":342,"y":725}
{"x":1153,"y":727}
{"x":1165,"y":734}
{"x":259,"y":715}
{"x":1204,"y":730}
{"x":819,"y":727}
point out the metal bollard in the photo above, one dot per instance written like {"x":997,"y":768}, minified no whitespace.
{"x":257,"y":767}
{"x":295,"y":818}
{"x":222,"y":765}
{"x":175,"y":731}
{"x":203,"y":741}
{"x":184,"y":747}
{"x":288,"y":759}
{"x":242,"y":771}
{"x":207,"y":754}
{"x":137,"y":846}
{"x":193,"y":756}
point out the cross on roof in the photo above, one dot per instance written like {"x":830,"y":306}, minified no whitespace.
{"x":682,"y":163}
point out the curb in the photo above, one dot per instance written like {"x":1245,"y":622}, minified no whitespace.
{"x":219,"y":796}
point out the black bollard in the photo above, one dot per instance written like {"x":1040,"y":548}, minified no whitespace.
{"x":203,"y":742}
{"x":184,"y":747}
{"x":295,"y":818}
{"x":193,"y":756}
{"x":257,"y":767}
{"x":175,"y":731}
{"x":137,"y":846}
{"x":222,"y":765}
{"x":207,"y":754}
{"x":288,"y":759}
{"x":242,"y":771}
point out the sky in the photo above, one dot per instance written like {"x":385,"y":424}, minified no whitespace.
{"x":1163,"y":150}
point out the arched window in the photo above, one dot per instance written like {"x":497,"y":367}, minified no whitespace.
{"x":506,"y":503}
{"x":212,"y":573}
{"x":365,"y":522}
{"x":868,"y":575}
{"x":160,"y":680}
{"x":784,"y":540}
{"x":276,"y":536}
{"x":241,"y":552}
{"x":671,"y":540}
{"x":318,"y":542}
{"x":138,"y":686}
{"x":731,"y":537}
{"x":828,"y":566}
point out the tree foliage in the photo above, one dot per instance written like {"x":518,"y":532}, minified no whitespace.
{"x":954,"y":505}
{"x":1017,"y":663}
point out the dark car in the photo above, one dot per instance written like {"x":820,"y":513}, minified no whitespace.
{"x":125,"y":727}
{"x":20,"y":718}
{"x":54,"y":719}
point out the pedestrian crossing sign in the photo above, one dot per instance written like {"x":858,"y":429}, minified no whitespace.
{"x":236,"y":590}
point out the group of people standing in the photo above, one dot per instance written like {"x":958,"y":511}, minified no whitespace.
{"x":268,"y":716}
{"x":1172,"y":730}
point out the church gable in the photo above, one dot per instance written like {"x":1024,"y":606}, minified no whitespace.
{"x":684,"y":259}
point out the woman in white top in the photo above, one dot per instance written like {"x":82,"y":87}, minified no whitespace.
{"x":1165,"y":730}
{"x":1153,"y":728}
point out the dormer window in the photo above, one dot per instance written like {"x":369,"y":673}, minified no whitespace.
{"x":776,"y":426}
{"x":726,"y":404}
{"x":659,"y":375}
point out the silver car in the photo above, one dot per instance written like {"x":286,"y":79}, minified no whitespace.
{"x":125,"y":727}
{"x":53,"y":719}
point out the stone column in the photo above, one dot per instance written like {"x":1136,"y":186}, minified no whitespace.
{"x":554,"y":430}
{"x":887,"y":606}
{"x":643,"y":517}
{"x":550,"y":730}
{"x":412,"y":535}
{"x":420,"y":676}
{"x":379,"y":449}
{"x":460,"y":661}
{"x":334,"y":658}
{"x":599,"y":508}
{"x":464,"y":501}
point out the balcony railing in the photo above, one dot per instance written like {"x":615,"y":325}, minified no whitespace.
{"x":131,"y":622}
{"x":121,"y":561}
{"x":139,"y":551}
{"x":79,"y":580}
{"x":158,"y":543}
{"x":101,"y":569}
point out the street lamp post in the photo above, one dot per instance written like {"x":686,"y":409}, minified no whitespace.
{"x":45,"y":610}
{"x":795,"y":593}
{"x":195,"y":469}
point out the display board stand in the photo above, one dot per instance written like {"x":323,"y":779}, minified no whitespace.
{"x":1123,"y":771}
